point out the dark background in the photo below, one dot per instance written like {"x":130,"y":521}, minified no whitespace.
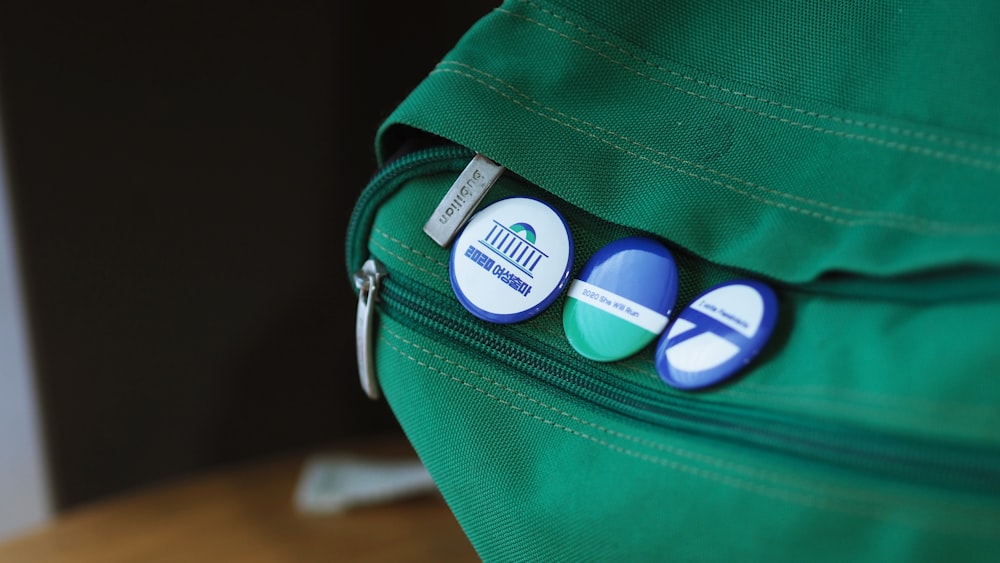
{"x":182,"y":177}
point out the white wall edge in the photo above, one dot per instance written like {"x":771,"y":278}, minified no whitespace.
{"x":24,"y":478}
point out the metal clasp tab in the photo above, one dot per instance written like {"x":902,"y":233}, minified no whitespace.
{"x":462,"y":199}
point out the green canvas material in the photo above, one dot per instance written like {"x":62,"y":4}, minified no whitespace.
{"x":846,"y":153}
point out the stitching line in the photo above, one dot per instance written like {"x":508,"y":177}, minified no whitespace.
{"x":836,"y":405}
{"x":932,"y":137}
{"x":843,"y":401}
{"x":901,"y":218}
{"x":381,"y":247}
{"x":933,"y":153}
{"x":400,"y":243}
{"x":845,"y":396}
{"x":766,"y":490}
{"x":928,"y":229}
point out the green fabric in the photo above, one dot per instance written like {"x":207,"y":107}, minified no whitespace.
{"x":847,"y":153}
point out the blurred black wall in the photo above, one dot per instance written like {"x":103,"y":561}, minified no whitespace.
{"x":183,"y":174}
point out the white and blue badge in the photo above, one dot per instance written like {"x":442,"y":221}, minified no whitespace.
{"x":511,"y":260}
{"x":717,"y":334}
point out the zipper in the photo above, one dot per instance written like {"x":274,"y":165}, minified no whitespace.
{"x":924,"y":461}
{"x":367,"y":277}
{"x":406,"y":300}
{"x":437,"y":158}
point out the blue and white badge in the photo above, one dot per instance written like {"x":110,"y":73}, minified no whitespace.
{"x":717,"y":334}
{"x":511,"y":260}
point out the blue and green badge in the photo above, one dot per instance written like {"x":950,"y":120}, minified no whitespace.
{"x":621,"y":299}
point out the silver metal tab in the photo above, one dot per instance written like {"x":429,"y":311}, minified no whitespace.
{"x":367,"y":280}
{"x":462,"y":199}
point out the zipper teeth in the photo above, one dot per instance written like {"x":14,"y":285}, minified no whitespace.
{"x":896,"y":456}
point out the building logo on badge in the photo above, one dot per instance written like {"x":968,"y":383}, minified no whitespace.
{"x":516,"y":245}
{"x":501,"y":244}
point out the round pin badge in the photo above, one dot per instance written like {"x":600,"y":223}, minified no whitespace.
{"x":621,"y":299}
{"x":511,"y":260}
{"x":717,"y":334}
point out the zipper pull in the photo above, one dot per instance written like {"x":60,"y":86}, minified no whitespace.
{"x":367,"y":280}
{"x":462,"y":199}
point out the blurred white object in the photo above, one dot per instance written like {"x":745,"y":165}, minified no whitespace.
{"x":24,"y":485}
{"x":334,"y":483}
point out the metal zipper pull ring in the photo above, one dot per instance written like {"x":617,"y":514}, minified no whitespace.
{"x":367,"y":280}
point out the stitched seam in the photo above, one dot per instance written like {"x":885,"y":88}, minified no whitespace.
{"x":400,"y":243}
{"x":902,"y":218}
{"x":932,"y":137}
{"x":759,"y":488}
{"x":841,"y":400}
{"x":880,"y":401}
{"x":807,"y":212}
{"x":933,"y":153}
{"x":845,"y":396}
{"x":405,"y":261}
{"x":679,"y":452}
{"x":836,"y":406}
{"x":709,"y":460}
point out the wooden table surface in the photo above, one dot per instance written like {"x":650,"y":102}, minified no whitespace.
{"x":246,"y":513}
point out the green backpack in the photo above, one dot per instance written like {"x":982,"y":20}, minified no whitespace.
{"x":845,"y":154}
